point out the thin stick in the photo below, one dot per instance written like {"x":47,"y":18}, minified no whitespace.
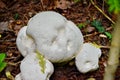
{"x":13,"y":64}
{"x":105,"y":47}
{"x":102,"y":12}
{"x":88,"y":35}
{"x":41,"y":2}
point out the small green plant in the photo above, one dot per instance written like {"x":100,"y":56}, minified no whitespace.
{"x":81,"y":25}
{"x":108,"y":35}
{"x":114,"y":6}
{"x":76,"y":1}
{"x":2,"y":63}
{"x":16,"y":16}
{"x":98,"y":25}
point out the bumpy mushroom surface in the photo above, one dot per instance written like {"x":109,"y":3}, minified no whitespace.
{"x":25,"y":44}
{"x":55,"y":37}
{"x":51,"y":34}
{"x":88,"y":58}
{"x":32,"y":70}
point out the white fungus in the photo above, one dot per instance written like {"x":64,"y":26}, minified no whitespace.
{"x":31,"y":69}
{"x":58,"y":40}
{"x":88,"y":58}
{"x":55,"y":37}
{"x":25,"y":44}
{"x":51,"y":34}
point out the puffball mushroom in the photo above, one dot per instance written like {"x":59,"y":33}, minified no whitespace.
{"x":25,"y":44}
{"x":88,"y":57}
{"x":51,"y":34}
{"x":31,"y":69}
{"x":55,"y":37}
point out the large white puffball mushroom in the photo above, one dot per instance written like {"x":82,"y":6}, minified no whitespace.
{"x":31,"y":69}
{"x":25,"y":44}
{"x":55,"y":37}
{"x":88,"y":58}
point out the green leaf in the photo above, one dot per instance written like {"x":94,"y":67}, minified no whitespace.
{"x":2,"y":57}
{"x":2,"y":66}
{"x":76,"y":1}
{"x":81,"y":25}
{"x":108,"y":35}
{"x":97,"y":24}
{"x":42,"y":61}
{"x":114,"y":6}
{"x":16,"y":16}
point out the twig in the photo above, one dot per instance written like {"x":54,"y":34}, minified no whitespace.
{"x":41,"y":3}
{"x":102,"y":12}
{"x":109,"y":28}
{"x":13,"y":64}
{"x":88,"y":35}
{"x":105,"y":47}
{"x":103,"y":3}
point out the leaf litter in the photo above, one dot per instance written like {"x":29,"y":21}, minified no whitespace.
{"x":15,"y":14}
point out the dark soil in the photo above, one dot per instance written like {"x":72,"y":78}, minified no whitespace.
{"x":16,"y":13}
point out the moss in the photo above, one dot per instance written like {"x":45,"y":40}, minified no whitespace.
{"x":42,"y":61}
{"x":95,"y":45}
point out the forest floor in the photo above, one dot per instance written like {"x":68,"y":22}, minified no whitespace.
{"x":16,"y":13}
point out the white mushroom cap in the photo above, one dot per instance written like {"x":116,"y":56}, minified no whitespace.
{"x":55,"y":37}
{"x":24,"y":43}
{"x":88,"y":58}
{"x":31,"y":69}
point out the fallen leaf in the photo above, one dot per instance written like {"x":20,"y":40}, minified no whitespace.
{"x":4,"y":26}
{"x":103,"y":36}
{"x":2,"y":5}
{"x":9,"y":76}
{"x":91,"y":79}
{"x":0,"y":35}
{"x":62,"y":4}
{"x":90,"y":29}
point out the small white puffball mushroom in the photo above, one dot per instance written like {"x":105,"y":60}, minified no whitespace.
{"x":55,"y":37}
{"x":88,"y":58}
{"x":31,"y":69}
{"x":25,"y":44}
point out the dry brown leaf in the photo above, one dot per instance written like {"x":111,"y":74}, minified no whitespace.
{"x":4,"y":26}
{"x":2,"y":5}
{"x":62,"y":4}
{"x":90,"y":29}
